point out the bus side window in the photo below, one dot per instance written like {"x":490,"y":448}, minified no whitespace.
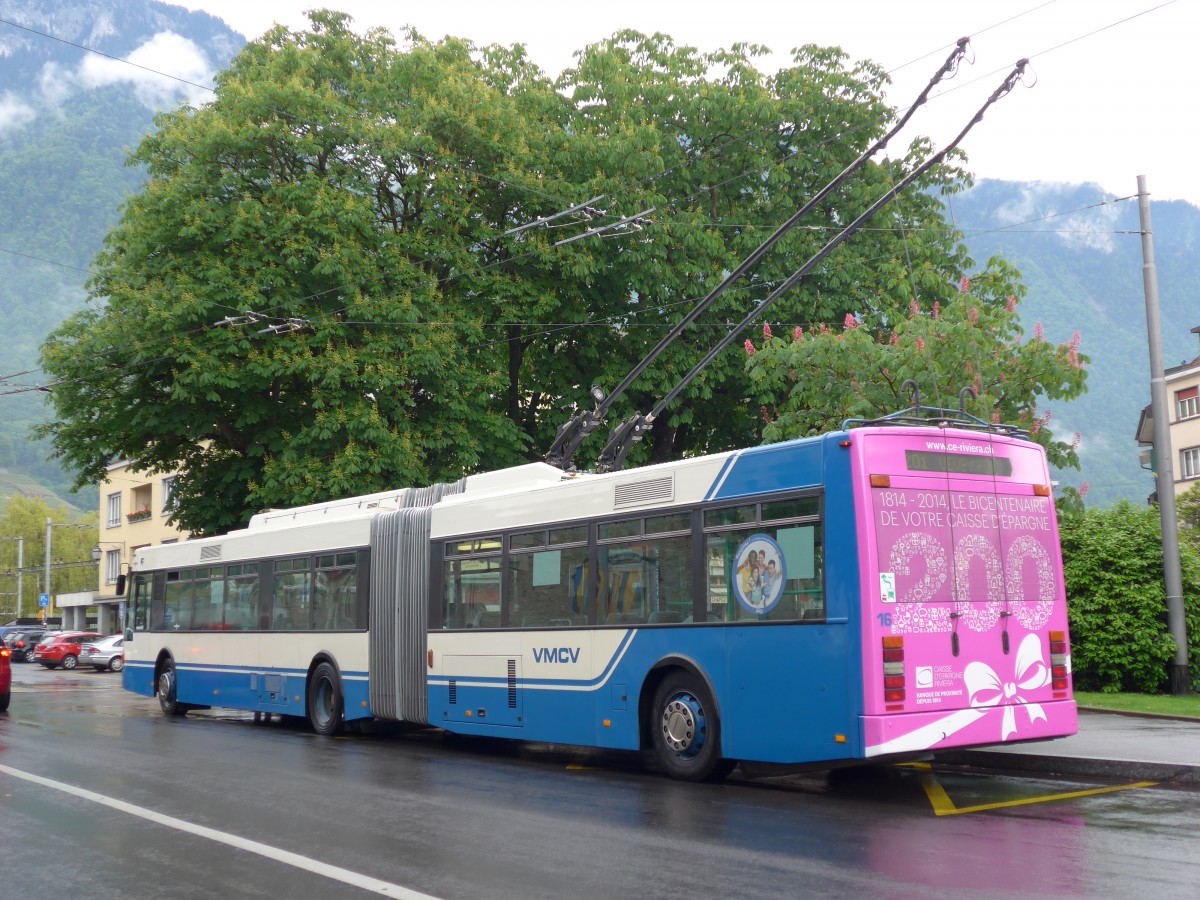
{"x":178,"y":598}
{"x":765,"y":573}
{"x":335,"y":599}
{"x":547,"y":589}
{"x":471,"y":593}
{"x":292,"y":608}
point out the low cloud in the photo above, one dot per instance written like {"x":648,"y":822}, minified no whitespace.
{"x":14,"y":112}
{"x":167,"y":53}
{"x":1048,"y":205}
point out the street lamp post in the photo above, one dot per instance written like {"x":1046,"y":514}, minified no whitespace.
{"x":20,"y":562}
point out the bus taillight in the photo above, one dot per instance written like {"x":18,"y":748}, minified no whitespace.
{"x":1058,"y":660}
{"x":893,"y":669}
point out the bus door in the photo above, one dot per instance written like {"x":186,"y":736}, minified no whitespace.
{"x":1002,"y":541}
{"x":910,"y":509}
{"x":134,"y":677}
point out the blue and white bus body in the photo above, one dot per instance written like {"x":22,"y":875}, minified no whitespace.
{"x":784,"y":691}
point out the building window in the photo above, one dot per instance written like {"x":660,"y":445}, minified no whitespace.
{"x":1187,"y":403}
{"x":112,"y":566}
{"x":114,"y":510}
{"x":1189,"y":462}
{"x":168,"y":495}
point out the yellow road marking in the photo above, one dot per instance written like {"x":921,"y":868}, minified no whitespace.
{"x":944,"y":806}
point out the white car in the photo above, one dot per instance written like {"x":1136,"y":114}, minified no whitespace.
{"x":103,"y":653}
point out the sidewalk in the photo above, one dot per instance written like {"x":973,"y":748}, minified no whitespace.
{"x":1110,"y":745}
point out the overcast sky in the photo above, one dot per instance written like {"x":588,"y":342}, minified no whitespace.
{"x":1113,"y":83}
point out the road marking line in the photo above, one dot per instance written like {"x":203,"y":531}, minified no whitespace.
{"x":385,"y":888}
{"x":944,"y":806}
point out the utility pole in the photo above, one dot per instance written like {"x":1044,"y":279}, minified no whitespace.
{"x":1176,"y":624}
{"x":49,"y":595}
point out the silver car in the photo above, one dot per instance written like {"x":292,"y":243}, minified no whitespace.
{"x":105,"y":653}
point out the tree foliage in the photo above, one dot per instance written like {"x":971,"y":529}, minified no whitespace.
{"x":1113,"y":570}
{"x":71,"y":565}
{"x":969,"y":338}
{"x":724,"y":160}
{"x":371,"y":195}
{"x":1187,"y":508}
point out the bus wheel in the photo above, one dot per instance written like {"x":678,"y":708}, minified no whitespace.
{"x":325,"y":700}
{"x":687,"y":735}
{"x":166,"y":689}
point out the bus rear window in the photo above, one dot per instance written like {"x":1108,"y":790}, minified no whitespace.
{"x":957,"y":463}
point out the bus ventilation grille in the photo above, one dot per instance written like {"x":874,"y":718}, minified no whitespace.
{"x":638,"y":492}
{"x":512,"y":684}
{"x":453,"y":692}
{"x":212,"y":551}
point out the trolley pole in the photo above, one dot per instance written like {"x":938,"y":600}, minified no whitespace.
{"x":1180,"y":681}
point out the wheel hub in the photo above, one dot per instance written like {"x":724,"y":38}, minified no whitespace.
{"x":683,"y":725}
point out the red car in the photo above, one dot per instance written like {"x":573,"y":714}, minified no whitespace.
{"x":62,"y":649}
{"x":5,"y":678}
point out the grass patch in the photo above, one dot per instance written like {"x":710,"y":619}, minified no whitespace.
{"x":1161,"y":704}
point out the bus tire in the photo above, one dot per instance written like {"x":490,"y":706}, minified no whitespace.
{"x":165,"y":686}
{"x":325,"y":700}
{"x":686,"y":730}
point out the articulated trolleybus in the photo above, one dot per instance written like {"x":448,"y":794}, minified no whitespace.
{"x":880,"y":592}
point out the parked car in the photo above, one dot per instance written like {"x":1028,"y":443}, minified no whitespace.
{"x":7,"y":631}
{"x":104,"y":654}
{"x":62,"y":649}
{"x":21,"y":644}
{"x":5,"y":678}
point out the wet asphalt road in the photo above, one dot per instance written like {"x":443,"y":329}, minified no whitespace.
{"x":462,"y":819}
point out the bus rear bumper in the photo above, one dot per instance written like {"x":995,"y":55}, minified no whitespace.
{"x":969,"y":727}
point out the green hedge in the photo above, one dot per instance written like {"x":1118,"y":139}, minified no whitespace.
{"x":1113,"y":566}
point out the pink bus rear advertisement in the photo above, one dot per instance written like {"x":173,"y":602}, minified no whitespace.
{"x":965,"y":638}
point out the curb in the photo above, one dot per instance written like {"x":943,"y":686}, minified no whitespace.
{"x":1128,"y":713}
{"x":1170,"y":773}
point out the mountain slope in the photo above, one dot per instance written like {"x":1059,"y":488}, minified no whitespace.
{"x":67,"y":119}
{"x":1082,"y":261}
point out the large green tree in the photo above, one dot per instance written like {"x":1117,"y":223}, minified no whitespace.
{"x":365,"y":200}
{"x":331,"y":182}
{"x":724,"y":153}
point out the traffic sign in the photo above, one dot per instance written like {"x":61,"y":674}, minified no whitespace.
{"x":44,"y":600}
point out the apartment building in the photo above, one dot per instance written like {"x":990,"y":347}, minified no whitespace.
{"x":1183,"y":400}
{"x":134,"y":511}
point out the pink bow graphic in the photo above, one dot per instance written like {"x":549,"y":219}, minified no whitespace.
{"x":1030,"y":672}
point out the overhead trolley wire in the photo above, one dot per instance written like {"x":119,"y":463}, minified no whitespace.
{"x":633,"y":428}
